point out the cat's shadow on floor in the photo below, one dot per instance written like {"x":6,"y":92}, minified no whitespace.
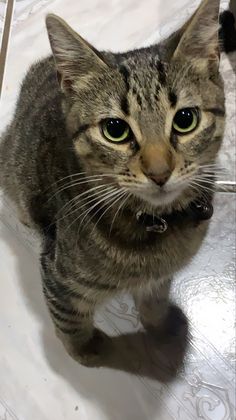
{"x":137,"y":353}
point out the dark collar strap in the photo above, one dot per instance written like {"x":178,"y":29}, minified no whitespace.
{"x":197,"y":211}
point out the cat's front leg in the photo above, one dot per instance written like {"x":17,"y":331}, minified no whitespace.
{"x":72,"y":315}
{"x":157,"y":314}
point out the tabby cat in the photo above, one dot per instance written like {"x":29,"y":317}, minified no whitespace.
{"x":111,"y":158}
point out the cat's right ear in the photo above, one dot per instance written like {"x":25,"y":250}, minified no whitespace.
{"x":198,"y":39}
{"x":75,"y":58}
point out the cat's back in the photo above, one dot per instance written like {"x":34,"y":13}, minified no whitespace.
{"x":39,"y":93}
{"x":35,"y":127}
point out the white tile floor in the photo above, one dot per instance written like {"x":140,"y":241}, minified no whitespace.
{"x":37,"y":379}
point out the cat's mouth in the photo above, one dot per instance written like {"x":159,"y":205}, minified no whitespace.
{"x":159,"y":198}
{"x":168,"y":195}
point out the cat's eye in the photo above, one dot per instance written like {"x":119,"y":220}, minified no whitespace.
{"x":116,"y":130}
{"x":185,"y":121}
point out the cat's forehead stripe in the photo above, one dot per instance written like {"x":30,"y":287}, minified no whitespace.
{"x":172,"y":98}
{"x":126,"y":75}
{"x":145,"y":81}
{"x":161,"y":72}
{"x":125,"y":105}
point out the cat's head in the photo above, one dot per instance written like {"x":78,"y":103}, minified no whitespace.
{"x":152,"y":120}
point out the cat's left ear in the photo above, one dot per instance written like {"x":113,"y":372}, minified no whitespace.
{"x":75,"y":58}
{"x":199,"y":42}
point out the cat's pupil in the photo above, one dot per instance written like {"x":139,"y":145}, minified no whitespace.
{"x":116,"y":128}
{"x":184,"y":118}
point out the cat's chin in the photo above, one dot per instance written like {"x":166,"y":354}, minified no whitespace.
{"x":162,"y":199}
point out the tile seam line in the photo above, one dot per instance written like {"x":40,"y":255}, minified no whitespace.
{"x":5,"y":39}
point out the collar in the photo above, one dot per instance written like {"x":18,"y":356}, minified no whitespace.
{"x":197,"y":211}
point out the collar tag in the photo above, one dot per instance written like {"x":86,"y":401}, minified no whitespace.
{"x":152,"y":224}
{"x":159,"y":227}
{"x":198,"y":211}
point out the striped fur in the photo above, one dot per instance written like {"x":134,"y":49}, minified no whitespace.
{"x":82,"y":193}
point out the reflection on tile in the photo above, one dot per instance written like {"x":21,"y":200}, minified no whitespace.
{"x":228,"y":152}
{"x":2,"y":15}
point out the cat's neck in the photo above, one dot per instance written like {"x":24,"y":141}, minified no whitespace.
{"x":138,"y":223}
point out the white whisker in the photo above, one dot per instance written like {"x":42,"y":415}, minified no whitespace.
{"x":119,"y":208}
{"x":72,"y":185}
{"x":79,"y":174}
{"x":113,"y":197}
{"x":108,"y":200}
{"x":120,"y":195}
{"x":202,"y":187}
{"x":213,"y":168}
{"x":77,"y":200}
{"x":95,"y":190}
{"x":204,"y":181}
{"x":74,"y":182}
{"x":199,"y":191}
{"x":94,"y":199}
{"x":87,"y":211}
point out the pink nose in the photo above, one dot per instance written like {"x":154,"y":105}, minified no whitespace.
{"x":157,"y":163}
{"x":160,"y":179}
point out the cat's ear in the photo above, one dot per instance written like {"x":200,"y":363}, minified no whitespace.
{"x":198,"y":39}
{"x":75,"y":58}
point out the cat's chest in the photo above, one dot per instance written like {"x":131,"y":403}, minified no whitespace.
{"x":127,"y":265}
{"x":172,"y":251}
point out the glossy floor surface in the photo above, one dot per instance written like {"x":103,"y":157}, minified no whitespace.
{"x":144,"y":379}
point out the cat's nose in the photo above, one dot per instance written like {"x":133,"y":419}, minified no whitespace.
{"x":160,"y":179}
{"x":157,"y":163}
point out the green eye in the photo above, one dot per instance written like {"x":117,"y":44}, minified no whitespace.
{"x":116,"y":130}
{"x":185,"y":121}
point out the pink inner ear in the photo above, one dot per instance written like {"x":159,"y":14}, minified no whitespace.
{"x":214,"y":56}
{"x":64,"y":83}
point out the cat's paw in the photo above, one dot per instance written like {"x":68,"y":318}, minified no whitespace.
{"x":92,"y":353}
{"x":96,"y":349}
{"x":174,"y":323}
